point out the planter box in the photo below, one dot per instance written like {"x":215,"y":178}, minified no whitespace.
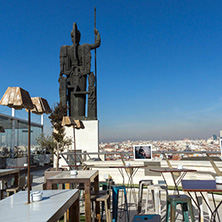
{"x":13,"y":162}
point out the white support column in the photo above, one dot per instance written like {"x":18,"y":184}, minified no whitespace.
{"x":42,"y":122}
{"x":13,"y":133}
{"x":221,"y":144}
{"x":13,"y":112}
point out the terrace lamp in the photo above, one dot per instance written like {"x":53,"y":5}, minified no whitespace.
{"x":18,"y":98}
{"x":69,"y":121}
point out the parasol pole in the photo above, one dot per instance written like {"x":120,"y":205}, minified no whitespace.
{"x":29,"y":143}
{"x":74,"y":143}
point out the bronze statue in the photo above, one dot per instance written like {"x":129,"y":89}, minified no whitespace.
{"x":75,"y":64}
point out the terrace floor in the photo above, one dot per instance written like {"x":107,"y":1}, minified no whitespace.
{"x":39,"y":178}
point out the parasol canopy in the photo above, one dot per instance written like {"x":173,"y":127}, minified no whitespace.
{"x":40,"y":106}
{"x":17,"y":98}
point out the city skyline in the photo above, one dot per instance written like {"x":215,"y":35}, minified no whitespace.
{"x":159,"y":64}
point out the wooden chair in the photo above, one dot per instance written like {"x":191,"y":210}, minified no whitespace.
{"x":128,"y":171}
{"x":31,"y":181}
{"x":142,"y":183}
{"x":218,"y":172}
{"x":185,"y":201}
{"x":21,"y":186}
{"x":175,"y":174}
{"x":155,"y":191}
{"x":3,"y":186}
{"x":104,"y":197}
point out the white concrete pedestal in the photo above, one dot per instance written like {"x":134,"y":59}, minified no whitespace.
{"x":86,"y":139}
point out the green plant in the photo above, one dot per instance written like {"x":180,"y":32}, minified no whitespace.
{"x":59,"y":131}
{"x":47,"y":142}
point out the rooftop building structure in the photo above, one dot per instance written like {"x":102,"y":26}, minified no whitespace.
{"x":16,"y":133}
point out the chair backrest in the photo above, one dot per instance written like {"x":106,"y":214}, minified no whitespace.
{"x":124,"y":164}
{"x":110,"y":182}
{"x":168,"y":162}
{"x":218,"y":172}
{"x":22,"y":182}
{"x":176,"y":174}
{"x":31,"y":179}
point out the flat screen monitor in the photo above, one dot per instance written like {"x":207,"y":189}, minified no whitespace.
{"x":142,"y":152}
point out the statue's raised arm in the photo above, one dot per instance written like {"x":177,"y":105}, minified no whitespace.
{"x":98,"y":40}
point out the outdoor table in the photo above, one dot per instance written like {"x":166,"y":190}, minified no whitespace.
{"x":51,"y":208}
{"x":10,"y":172}
{"x":130,"y":170}
{"x":84,"y":176}
{"x":201,"y":186}
{"x":19,"y":167}
{"x":5,"y":173}
{"x":72,"y":166}
{"x":177,"y":181}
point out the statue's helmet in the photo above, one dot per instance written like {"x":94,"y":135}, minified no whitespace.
{"x":75,"y":34}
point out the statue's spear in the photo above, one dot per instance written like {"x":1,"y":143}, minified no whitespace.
{"x":95,"y":61}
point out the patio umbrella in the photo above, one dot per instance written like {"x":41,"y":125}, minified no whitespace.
{"x":69,"y":121}
{"x":40,"y":106}
{"x":18,"y":98}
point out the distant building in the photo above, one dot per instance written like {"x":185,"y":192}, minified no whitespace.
{"x":214,"y":137}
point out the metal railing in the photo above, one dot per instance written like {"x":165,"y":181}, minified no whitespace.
{"x":84,"y":156}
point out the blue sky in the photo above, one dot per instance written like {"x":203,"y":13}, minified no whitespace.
{"x":159,"y":64}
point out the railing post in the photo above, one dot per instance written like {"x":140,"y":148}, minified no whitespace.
{"x":84,"y":155}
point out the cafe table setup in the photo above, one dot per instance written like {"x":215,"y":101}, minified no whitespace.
{"x":8,"y":173}
{"x":180,"y":171}
{"x":46,"y":205}
{"x":86,"y":177}
{"x":203,"y":186}
{"x":130,"y":171}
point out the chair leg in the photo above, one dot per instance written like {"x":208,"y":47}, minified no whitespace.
{"x":147,"y":200}
{"x":127,"y":212}
{"x":167,"y":211}
{"x":157,"y":202}
{"x":191,"y":210}
{"x":65,"y":216}
{"x":207,"y":200}
{"x":93,"y":213}
{"x":200,"y":201}
{"x":185,"y":212}
{"x":140,"y":197}
{"x":108,"y":217}
{"x":103,"y":207}
{"x":172,"y":212}
{"x":115,"y":204}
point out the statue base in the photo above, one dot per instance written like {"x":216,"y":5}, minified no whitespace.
{"x":87,"y":140}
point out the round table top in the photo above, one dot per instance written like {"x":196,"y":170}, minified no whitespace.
{"x":171,"y":170}
{"x":130,"y":166}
